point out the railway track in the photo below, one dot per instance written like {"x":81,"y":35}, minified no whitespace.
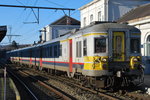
{"x":111,"y":96}
{"x":32,"y":95}
{"x":86,"y":89}
{"x":51,"y":88}
{"x":77,"y":87}
{"x":74,"y":85}
{"x":53,"y":93}
{"x":25,"y":90}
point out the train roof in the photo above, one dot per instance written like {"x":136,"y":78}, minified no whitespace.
{"x":94,"y":27}
{"x":104,"y":26}
{"x":43,"y":44}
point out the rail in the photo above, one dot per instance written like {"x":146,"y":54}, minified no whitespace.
{"x":48,"y":87}
{"x":27,"y":88}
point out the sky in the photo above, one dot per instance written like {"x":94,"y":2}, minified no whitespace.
{"x":15,"y":18}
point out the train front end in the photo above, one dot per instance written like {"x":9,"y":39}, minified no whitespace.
{"x":125,"y":62}
{"x":116,"y":59}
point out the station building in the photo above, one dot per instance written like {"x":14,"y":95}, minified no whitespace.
{"x":58,"y":28}
{"x":107,"y":10}
{"x":140,"y":18}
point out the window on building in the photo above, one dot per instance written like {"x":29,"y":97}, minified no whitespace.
{"x":84,"y":21}
{"x":85,"y":47}
{"x":100,"y":45}
{"x":91,"y":18}
{"x":135,"y":45}
{"x":78,"y":49}
{"x":99,"y":16}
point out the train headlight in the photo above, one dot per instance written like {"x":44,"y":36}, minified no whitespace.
{"x":135,"y":59}
{"x":104,"y":60}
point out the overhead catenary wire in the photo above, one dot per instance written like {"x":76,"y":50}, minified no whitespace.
{"x":20,"y":2}
{"x":54,"y":3}
{"x":37,"y":7}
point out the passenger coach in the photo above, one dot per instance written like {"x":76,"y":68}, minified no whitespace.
{"x":102,"y":53}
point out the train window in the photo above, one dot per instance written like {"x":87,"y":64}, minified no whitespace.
{"x":80,"y":52}
{"x":46,"y":50}
{"x":135,"y":45}
{"x":118,"y":44}
{"x":78,"y":49}
{"x":55,"y":50}
{"x":51,"y":52}
{"x":85,"y":47}
{"x":60,"y":50}
{"x":99,"y":45}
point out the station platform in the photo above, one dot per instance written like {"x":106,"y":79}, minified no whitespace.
{"x":7,"y":88}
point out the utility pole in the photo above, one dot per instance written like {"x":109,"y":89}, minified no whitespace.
{"x":11,"y":35}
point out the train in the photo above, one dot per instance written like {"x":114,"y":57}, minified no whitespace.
{"x":101,"y":55}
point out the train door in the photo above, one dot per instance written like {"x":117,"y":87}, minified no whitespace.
{"x":118,"y":46}
{"x":70,"y":55}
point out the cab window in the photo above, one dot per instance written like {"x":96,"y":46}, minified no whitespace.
{"x":84,"y":47}
{"x":135,"y":45}
{"x":99,"y":45}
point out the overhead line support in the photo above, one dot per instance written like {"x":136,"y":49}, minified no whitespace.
{"x":36,"y":7}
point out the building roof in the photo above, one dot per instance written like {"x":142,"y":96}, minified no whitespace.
{"x":66,"y":20}
{"x":137,"y":13}
{"x":3,"y":30}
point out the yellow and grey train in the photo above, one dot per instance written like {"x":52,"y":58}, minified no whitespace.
{"x":103,"y":54}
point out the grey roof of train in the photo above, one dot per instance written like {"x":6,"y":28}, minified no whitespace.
{"x":136,"y":13}
{"x":103,"y":26}
{"x":52,"y":41}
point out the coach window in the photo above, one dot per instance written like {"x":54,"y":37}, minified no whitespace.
{"x":60,"y":50}
{"x":51,"y":52}
{"x":55,"y":51}
{"x":100,"y":45}
{"x":85,"y":47}
{"x":78,"y":49}
{"x":135,"y":45}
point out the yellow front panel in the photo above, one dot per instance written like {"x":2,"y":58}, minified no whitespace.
{"x":93,"y":63}
{"x":118,"y":46}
